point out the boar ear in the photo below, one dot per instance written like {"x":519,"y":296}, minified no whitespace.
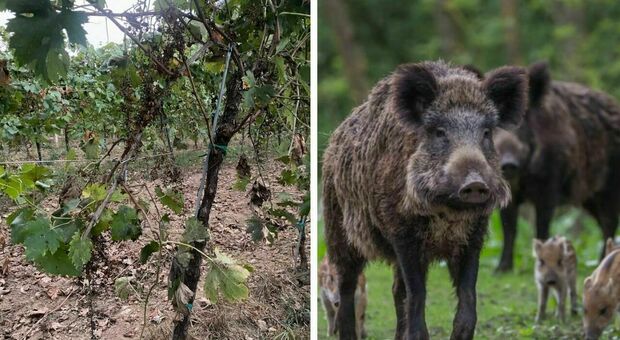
{"x":539,"y":81}
{"x":587,"y":284}
{"x":536,"y":245}
{"x":473,"y":69}
{"x":413,"y":89}
{"x":609,"y":246}
{"x":567,"y":246}
{"x":507,"y":88}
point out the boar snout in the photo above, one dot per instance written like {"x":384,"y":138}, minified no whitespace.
{"x":593,"y":334}
{"x":509,"y":165}
{"x":474,"y":189}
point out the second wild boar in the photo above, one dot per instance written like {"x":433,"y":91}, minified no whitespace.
{"x":567,"y":151}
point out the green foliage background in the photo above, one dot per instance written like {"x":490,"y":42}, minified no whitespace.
{"x":389,"y":33}
{"x":581,"y":41}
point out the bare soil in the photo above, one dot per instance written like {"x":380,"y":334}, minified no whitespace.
{"x":34,"y":305}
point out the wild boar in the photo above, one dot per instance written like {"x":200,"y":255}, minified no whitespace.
{"x":601,"y":296}
{"x":555,"y":269}
{"x":330,"y":296}
{"x":567,"y":151}
{"x":411,"y":177}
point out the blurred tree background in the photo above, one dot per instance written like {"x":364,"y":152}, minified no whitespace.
{"x":361,"y":41}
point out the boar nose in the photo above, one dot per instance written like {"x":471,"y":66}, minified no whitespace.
{"x":474,"y":190}
{"x":592,"y":334}
{"x":509,"y":166}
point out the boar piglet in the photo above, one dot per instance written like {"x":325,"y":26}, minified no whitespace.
{"x":556,"y":269}
{"x":330,"y":296}
{"x":410,"y":177}
{"x":601,"y":296}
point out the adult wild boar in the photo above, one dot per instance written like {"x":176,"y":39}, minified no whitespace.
{"x":411,"y":177}
{"x":567,"y":151}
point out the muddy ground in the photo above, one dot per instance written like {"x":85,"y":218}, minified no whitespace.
{"x":34,"y":305}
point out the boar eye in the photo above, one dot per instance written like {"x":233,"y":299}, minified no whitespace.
{"x":560,"y":262}
{"x":541,"y":262}
{"x":603,"y":311}
{"x":440,"y":133}
{"x":487,"y":133}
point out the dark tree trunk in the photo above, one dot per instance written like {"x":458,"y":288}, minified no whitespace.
{"x":569,"y":14}
{"x":446,"y":28}
{"x":354,"y":60}
{"x":225,"y":131}
{"x":66,"y":133}
{"x":510,"y":16}
{"x":38,"y":144}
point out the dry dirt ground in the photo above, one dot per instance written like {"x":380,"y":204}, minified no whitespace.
{"x":34,"y":305}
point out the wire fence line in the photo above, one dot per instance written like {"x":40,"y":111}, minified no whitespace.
{"x":84,"y":160}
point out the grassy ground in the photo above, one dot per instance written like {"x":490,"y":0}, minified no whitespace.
{"x":506,"y":303}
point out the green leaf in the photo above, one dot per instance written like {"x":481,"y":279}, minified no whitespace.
{"x":40,"y":238}
{"x":58,"y":263}
{"x":95,"y":191}
{"x":122,"y":287}
{"x":226,"y":277}
{"x":18,"y":221}
{"x":287,"y":177}
{"x":172,"y":199}
{"x":118,"y":196}
{"x":104,"y":222}
{"x":283,"y":213}
{"x":194,"y":231}
{"x":241,"y":183}
{"x":147,"y":250}
{"x":80,"y":250}
{"x":125,"y":224}
{"x":66,"y":226}
{"x":91,"y":149}
{"x":72,"y":23}
{"x":38,"y":40}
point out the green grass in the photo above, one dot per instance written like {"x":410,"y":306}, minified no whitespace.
{"x":506,"y":303}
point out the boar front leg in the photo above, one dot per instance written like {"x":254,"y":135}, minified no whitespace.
{"x":509,"y":217}
{"x":331,"y":314}
{"x":345,"y":316}
{"x":543,"y":295}
{"x":544,"y":213}
{"x":464,"y":272}
{"x":560,"y":297}
{"x":400,"y":295}
{"x":414,"y":267}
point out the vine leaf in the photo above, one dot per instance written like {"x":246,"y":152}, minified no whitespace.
{"x":148,"y":250}
{"x":95,"y":191}
{"x":80,"y":250}
{"x":226,"y":277}
{"x":38,"y":40}
{"x":58,"y":263}
{"x":172,"y":199}
{"x":40,"y":239}
{"x":260,"y":230}
{"x":125,"y":224}
{"x":18,"y":220}
{"x":122,"y":287}
{"x":194,"y":231}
